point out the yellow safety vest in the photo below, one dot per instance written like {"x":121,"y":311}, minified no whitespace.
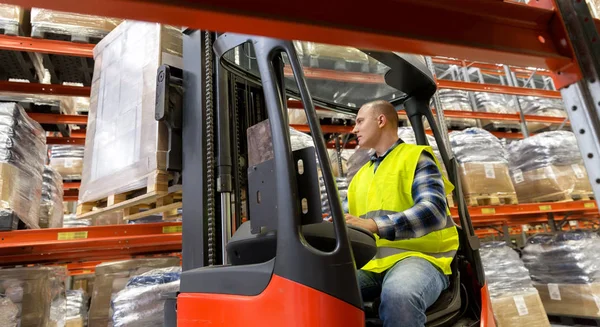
{"x":388,"y":191}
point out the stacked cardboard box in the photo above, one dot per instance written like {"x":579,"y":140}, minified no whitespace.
{"x":548,"y":167}
{"x":515,"y":301}
{"x":564,"y":269}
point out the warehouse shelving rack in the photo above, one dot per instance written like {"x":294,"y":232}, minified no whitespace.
{"x":480,"y":31}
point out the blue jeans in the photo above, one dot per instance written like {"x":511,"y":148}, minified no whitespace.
{"x":406,"y":290}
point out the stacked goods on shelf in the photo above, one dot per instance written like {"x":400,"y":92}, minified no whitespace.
{"x":483,"y":167}
{"x":56,"y":25}
{"x":111,"y":278}
{"x":515,"y":301}
{"x":18,"y":65}
{"x":51,"y":208}
{"x":65,"y":23}
{"x":541,"y":107}
{"x":456,"y":100}
{"x":565,"y":270}
{"x":498,"y":104}
{"x":32,"y":296}
{"x":548,"y":167}
{"x":141,"y":303}
{"x":67,"y":160}
{"x":126,"y":147}
{"x":22,"y":155}
{"x":70,"y":220}
{"x":76,"y":315}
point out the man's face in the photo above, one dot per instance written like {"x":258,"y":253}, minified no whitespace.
{"x":367,"y":128}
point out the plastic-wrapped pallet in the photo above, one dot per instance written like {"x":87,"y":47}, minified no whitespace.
{"x":67,"y":160}
{"x":125,"y":145}
{"x":483,"y":167}
{"x":111,"y":278}
{"x":22,"y":155}
{"x":76,"y":315}
{"x":140,"y":303}
{"x":51,"y":208}
{"x":541,"y":107}
{"x":456,"y":100}
{"x":32,"y":296}
{"x":548,"y":167}
{"x":498,"y":104}
{"x":11,"y":19}
{"x":66,"y":23}
{"x":515,"y":301}
{"x":565,"y":268}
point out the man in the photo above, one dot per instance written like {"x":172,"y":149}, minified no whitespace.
{"x":399,"y":195}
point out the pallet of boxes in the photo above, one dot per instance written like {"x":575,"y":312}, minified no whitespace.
{"x":548,"y":167}
{"x":564,"y":269}
{"x":124,"y":171}
{"x":515,"y":301}
{"x":483,"y":168}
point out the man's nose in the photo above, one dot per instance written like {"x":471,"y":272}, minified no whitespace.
{"x":354,"y":130}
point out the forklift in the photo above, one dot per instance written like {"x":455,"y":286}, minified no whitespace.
{"x":256,"y":250}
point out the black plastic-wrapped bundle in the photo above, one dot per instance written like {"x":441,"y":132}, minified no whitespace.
{"x":544,"y":149}
{"x":51,"y":207}
{"x":567,"y":257}
{"x":22,"y":155}
{"x":505,"y":273}
{"x":141,"y":303}
{"x":477,"y":145}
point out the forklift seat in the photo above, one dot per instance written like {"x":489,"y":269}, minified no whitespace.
{"x":444,"y":310}
{"x":245,"y":248}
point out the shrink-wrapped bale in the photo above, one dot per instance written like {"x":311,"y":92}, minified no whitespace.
{"x":565,"y":269}
{"x":22,"y":155}
{"x":66,"y":23}
{"x":51,"y":208}
{"x":141,"y":303}
{"x":548,"y":167}
{"x":515,"y":301}
{"x":542,"y":107}
{"x":483,"y":165}
{"x":111,"y":278}
{"x":67,"y":160}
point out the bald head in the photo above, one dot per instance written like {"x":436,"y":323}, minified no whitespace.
{"x":382,"y":107}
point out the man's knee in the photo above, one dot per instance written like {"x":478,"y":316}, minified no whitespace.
{"x":402,"y":299}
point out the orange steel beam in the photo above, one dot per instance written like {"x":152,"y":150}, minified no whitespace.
{"x":71,"y":185}
{"x":503,"y":89}
{"x":65,"y":140}
{"x":489,"y":31}
{"x":58,"y":118}
{"x":78,"y":134}
{"x":49,"y":89}
{"x":70,"y":193}
{"x":87,"y":243}
{"x":20,"y":43}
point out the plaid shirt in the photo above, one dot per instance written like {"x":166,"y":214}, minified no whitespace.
{"x":428,"y":213}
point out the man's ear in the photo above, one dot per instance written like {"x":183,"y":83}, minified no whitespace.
{"x":381,"y":120}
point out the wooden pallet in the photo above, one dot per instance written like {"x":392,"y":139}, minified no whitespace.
{"x":552,"y":197}
{"x":480,"y":199}
{"x":583,"y":196}
{"x":155,"y":198}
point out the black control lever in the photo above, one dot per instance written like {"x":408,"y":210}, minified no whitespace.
{"x":168,"y":109}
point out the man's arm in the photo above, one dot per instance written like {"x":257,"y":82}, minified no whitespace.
{"x":428,"y":214}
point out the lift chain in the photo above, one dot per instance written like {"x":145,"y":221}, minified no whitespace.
{"x":238,"y":156}
{"x":210,"y":152}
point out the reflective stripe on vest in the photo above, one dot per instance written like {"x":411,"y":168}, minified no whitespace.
{"x":388,"y":191}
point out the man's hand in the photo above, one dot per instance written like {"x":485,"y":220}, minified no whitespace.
{"x":368,"y":224}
